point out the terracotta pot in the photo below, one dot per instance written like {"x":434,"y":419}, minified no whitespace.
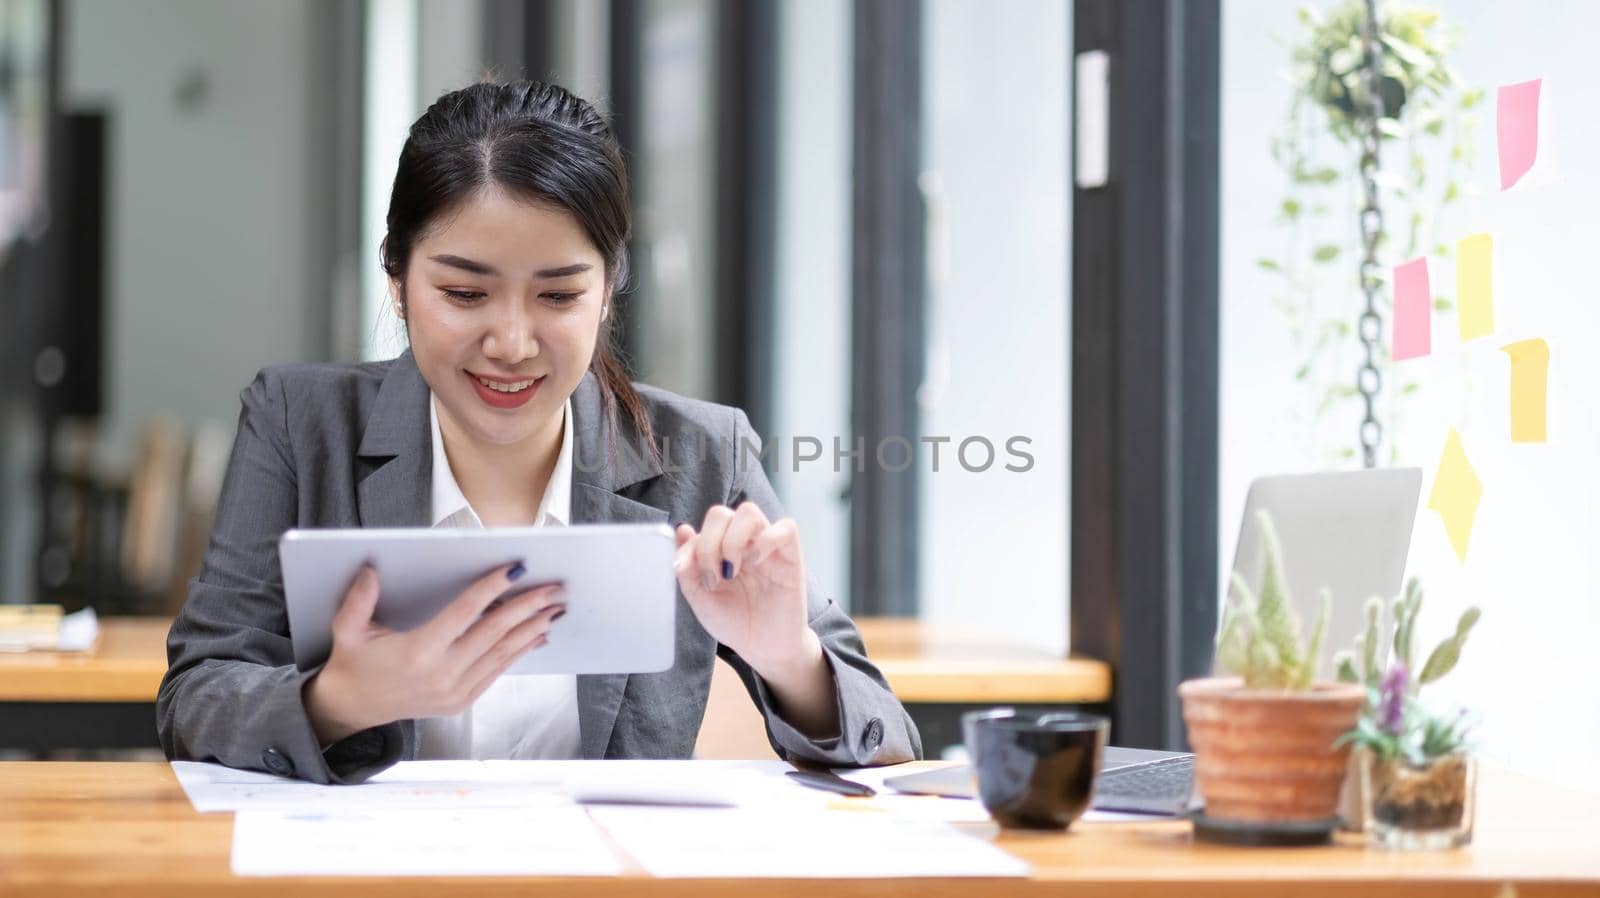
{"x":1267,"y":756}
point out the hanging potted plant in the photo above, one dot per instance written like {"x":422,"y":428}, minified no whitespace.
{"x":1378,"y":145}
{"x":1268,"y":763}
{"x":1414,"y":773}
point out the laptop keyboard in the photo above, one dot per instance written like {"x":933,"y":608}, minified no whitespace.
{"x":1168,"y":778}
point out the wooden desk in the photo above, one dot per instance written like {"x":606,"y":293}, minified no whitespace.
{"x":923,"y":664}
{"x":86,"y":828}
{"x":105,"y":698}
{"x":926,"y":664}
{"x":126,"y":666}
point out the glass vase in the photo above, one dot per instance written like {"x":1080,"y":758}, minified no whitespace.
{"x":1419,"y":808}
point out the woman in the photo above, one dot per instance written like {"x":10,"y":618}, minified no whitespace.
{"x":507,"y":233}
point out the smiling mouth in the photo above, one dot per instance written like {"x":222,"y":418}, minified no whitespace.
{"x":506,"y":394}
{"x":506,"y":387}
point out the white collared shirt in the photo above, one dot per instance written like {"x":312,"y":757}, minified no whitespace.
{"x":520,"y":716}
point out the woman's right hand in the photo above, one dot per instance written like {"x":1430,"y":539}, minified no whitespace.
{"x":376,"y":675}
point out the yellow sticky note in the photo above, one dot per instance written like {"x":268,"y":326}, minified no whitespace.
{"x":1475,"y":286}
{"x":1530,"y":375}
{"x":1456,"y":493}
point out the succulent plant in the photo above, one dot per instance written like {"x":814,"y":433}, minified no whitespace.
{"x":1394,"y":724}
{"x":1403,"y":618}
{"x":1260,"y":635}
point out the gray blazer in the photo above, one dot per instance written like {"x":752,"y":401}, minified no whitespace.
{"x":349,"y":446}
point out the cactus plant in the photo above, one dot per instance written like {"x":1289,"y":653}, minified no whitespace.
{"x":1403,"y":617}
{"x":1393,"y":723}
{"x":1260,"y":635}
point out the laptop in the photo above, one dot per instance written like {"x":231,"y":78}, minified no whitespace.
{"x":1348,"y":531}
{"x":1133,"y":780}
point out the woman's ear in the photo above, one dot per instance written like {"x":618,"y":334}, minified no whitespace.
{"x":397,"y":297}
{"x":397,"y":289}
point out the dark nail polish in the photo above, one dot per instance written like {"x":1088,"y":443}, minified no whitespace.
{"x":558,"y":615}
{"x":517,"y":570}
{"x":727,"y":570}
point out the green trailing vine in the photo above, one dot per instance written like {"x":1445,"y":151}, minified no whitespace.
{"x":1427,"y":116}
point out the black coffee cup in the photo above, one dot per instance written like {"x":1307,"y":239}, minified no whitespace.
{"x":1035,"y":770}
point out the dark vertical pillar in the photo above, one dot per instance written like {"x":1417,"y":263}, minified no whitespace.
{"x":627,"y":117}
{"x":887,"y":286}
{"x":746,"y":206}
{"x":1145,"y":362}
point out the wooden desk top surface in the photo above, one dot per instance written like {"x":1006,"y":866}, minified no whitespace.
{"x":75,"y":828}
{"x":920,"y":662}
{"x":125,"y":666}
{"x":924,"y":663}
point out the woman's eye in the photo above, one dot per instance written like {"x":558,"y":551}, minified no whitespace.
{"x":463,"y":295}
{"x":562,"y":299}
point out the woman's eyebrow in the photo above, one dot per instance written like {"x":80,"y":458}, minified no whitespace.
{"x":564,"y":271}
{"x":475,"y":267}
{"x":466,"y":265}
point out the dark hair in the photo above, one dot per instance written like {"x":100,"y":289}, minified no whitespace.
{"x":542,"y":143}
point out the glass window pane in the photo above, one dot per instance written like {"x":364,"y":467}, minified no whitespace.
{"x":674,"y":210}
{"x":994,"y":542}
{"x":812,"y":350}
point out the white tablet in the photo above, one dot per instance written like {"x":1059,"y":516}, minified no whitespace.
{"x":621,"y":592}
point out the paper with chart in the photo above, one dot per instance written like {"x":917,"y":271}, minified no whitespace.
{"x":495,"y":784}
{"x":481,"y":817}
{"x":555,"y":839}
{"x":214,"y":788}
{"x":796,"y":844}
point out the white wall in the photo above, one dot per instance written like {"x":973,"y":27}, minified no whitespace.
{"x":1528,"y":667}
{"x":994,"y":544}
{"x":209,"y":264}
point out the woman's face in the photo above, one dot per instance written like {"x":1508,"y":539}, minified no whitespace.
{"x":504,"y":301}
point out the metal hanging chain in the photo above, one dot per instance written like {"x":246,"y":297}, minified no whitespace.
{"x":1368,"y":379}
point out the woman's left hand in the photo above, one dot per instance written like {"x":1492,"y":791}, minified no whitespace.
{"x":745,"y":579}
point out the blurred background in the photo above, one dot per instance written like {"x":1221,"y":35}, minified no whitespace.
{"x":224,"y":169}
{"x":1126,"y":232}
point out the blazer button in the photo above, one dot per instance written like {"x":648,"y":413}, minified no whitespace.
{"x":277,"y":762}
{"x":872,"y":738}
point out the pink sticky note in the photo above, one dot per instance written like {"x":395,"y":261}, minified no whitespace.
{"x":1413,"y":334}
{"x":1517,"y":123}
